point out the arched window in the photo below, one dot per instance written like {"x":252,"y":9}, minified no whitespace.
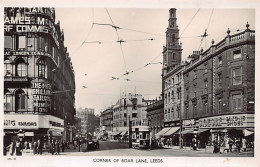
{"x":20,"y":100}
{"x":7,"y":70}
{"x":20,"y":67}
{"x":7,"y":100}
{"x":42,"y":69}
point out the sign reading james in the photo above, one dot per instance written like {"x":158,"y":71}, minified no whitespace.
{"x":31,"y":23}
{"x":41,"y":96}
{"x":225,"y":121}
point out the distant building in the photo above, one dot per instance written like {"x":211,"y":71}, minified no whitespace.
{"x":87,"y":117}
{"x":106,"y":120}
{"x":155,"y":115}
{"x":131,"y":107}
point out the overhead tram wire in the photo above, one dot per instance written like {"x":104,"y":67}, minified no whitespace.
{"x":118,"y":39}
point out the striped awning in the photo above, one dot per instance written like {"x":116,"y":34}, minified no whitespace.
{"x":115,"y":133}
{"x":171,"y":131}
{"x":164,"y":130}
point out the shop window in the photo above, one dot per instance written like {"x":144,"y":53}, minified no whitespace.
{"x":236,"y":102}
{"x":42,"y":69}
{"x":237,"y":54}
{"x":20,"y":100}
{"x":8,"y":42}
{"x":21,"y":67}
{"x":237,"y":76}
{"x":7,"y":68}
{"x":7,"y":101}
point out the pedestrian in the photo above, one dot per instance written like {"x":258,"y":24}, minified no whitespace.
{"x":52,"y":146}
{"x":35,"y":147}
{"x":244,"y":145}
{"x":230,"y":143}
{"x":63,"y":145}
{"x":68,"y":144}
{"x":237,"y":142}
{"x":215,"y":146}
{"x":75,"y":143}
{"x":18,"y":148}
{"x":12,"y":148}
{"x":39,"y":147}
{"x":194,"y":143}
{"x":226,"y":145}
{"x":79,"y":144}
{"x":25,"y":145}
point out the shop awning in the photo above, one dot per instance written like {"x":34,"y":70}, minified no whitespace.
{"x":171,"y":131}
{"x":202,"y":130}
{"x":164,"y":130}
{"x":248,"y":132}
{"x":124,"y":133}
{"x":115,"y":133}
{"x":187,"y":131}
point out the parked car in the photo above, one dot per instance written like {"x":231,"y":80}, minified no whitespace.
{"x":93,"y":143}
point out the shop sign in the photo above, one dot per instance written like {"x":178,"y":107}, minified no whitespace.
{"x":21,"y":122}
{"x":226,"y":121}
{"x":41,"y":92}
{"x":26,"y":53}
{"x":188,"y":123}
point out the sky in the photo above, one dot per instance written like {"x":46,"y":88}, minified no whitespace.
{"x":101,"y":57}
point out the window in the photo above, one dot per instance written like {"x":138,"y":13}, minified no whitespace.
{"x":42,"y":70}
{"x":21,"y":42}
{"x":165,"y":98}
{"x":194,"y":109}
{"x":195,"y":74}
{"x":7,"y":68}
{"x":205,"y":84}
{"x":220,"y":60}
{"x":236,"y":102}
{"x":206,"y":69}
{"x":169,"y":97}
{"x":41,"y":43}
{"x":21,"y":68}
{"x":237,"y":54}
{"x":166,"y":84}
{"x":20,"y":100}
{"x":8,"y":42}
{"x":187,"y":111}
{"x":205,"y":106}
{"x":173,"y":95}
{"x":237,"y":76}
{"x":178,"y":94}
{"x":219,"y":84}
{"x":7,"y":101}
{"x":219,"y":105}
{"x":31,"y":44}
{"x":172,"y":80}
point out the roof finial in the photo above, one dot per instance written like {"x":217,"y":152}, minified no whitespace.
{"x":247,"y":25}
{"x":228,"y":31}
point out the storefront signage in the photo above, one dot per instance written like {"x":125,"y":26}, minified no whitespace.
{"x":21,"y":122}
{"x":188,"y":123}
{"x":225,"y":121}
{"x":30,"y":24}
{"x":26,"y":53}
{"x":41,"y":92}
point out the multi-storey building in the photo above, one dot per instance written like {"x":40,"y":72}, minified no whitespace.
{"x":172,"y":80}
{"x":129,"y":108}
{"x":219,"y":89}
{"x":155,"y":116}
{"x":106,"y":120}
{"x":39,"y":81}
{"x":87,"y":117}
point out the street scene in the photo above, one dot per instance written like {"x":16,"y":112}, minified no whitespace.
{"x":129,"y":82}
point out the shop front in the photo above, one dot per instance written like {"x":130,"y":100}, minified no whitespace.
{"x":234,"y":126}
{"x":33,"y":127}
